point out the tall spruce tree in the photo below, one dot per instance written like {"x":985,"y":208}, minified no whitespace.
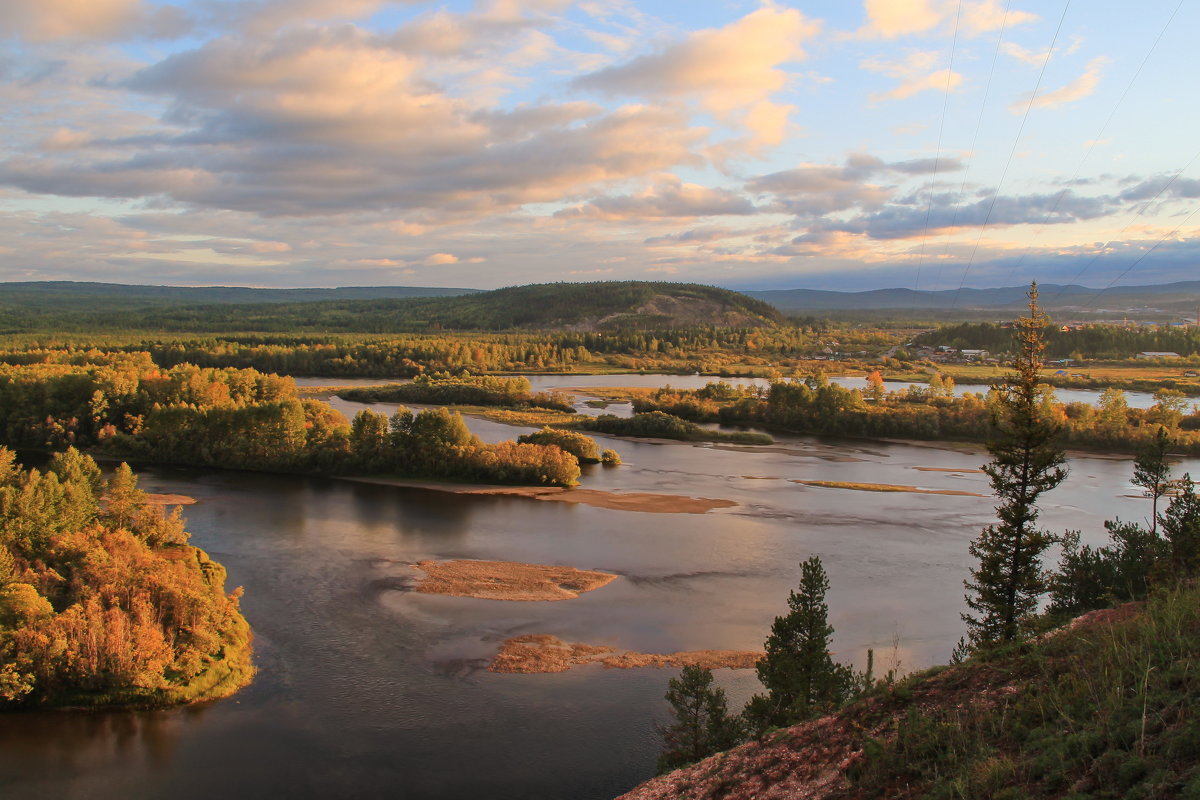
{"x":1152,"y":472}
{"x":1026,"y":462}
{"x":702,"y":725}
{"x":801,"y":678}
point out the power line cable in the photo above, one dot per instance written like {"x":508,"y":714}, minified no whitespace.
{"x":1024,"y":118}
{"x":987,"y":89}
{"x":1142,"y":258}
{"x":938,"y":155}
{"x":1062,"y":289}
{"x":1094,"y":142}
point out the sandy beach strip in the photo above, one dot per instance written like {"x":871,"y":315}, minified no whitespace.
{"x":619,"y":501}
{"x":508,"y":580}
{"x":886,"y":487}
{"x":541,"y":653}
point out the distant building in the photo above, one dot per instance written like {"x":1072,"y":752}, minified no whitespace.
{"x":1157,"y":354}
{"x":973,"y":353}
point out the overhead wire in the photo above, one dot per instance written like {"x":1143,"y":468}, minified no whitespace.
{"x":1142,"y":258}
{"x":1128,"y":225}
{"x":1094,"y":142}
{"x":987,"y":90}
{"x":938,"y":154}
{"x":1012,"y":152}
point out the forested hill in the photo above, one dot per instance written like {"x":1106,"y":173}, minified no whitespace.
{"x":605,"y":306}
{"x":76,"y":293}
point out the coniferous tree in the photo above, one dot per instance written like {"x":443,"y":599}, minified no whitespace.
{"x":1152,"y":472}
{"x":702,"y":725}
{"x":1026,"y":462}
{"x":801,"y":678}
{"x":1181,"y":529}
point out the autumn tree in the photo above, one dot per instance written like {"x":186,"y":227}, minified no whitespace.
{"x":701,"y":724}
{"x":1005,"y":586}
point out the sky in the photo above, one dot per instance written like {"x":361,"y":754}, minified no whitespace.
{"x":833,"y":144}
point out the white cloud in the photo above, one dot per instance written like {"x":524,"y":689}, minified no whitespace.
{"x":1076,"y":90}
{"x":916,"y":73}
{"x":731,"y":72}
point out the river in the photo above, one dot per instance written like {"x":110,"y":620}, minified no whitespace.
{"x":368,"y":690}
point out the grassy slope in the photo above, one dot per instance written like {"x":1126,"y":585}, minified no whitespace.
{"x":1104,"y":709}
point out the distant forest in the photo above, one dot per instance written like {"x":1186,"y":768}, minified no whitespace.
{"x":520,"y":307}
{"x":1095,"y":342}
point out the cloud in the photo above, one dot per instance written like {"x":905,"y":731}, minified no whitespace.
{"x":669,"y":197}
{"x":335,"y":121}
{"x":1077,"y":89}
{"x":891,"y":19}
{"x":822,"y":189}
{"x":909,"y":217}
{"x":48,"y":20}
{"x":916,"y":74}
{"x":731,"y":72}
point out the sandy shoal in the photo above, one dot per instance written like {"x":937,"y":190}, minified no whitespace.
{"x":949,"y":469}
{"x":539,"y":652}
{"x":887,"y":487}
{"x":168,"y":499}
{"x":508,"y":580}
{"x":620,"y":501}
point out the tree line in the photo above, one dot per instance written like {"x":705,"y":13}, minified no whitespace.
{"x":244,"y":419}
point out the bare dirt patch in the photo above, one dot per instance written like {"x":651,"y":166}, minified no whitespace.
{"x":508,"y":580}
{"x":539,"y":652}
{"x":886,"y":487}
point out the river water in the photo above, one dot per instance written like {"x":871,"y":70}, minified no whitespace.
{"x":366,"y":689}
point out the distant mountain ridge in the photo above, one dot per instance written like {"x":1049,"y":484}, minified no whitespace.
{"x":1175,"y":296}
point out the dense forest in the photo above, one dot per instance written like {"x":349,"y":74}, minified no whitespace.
{"x":703,"y":349}
{"x":1090,"y":342}
{"x":608,"y":306}
{"x":816,"y":406}
{"x":124,"y":405}
{"x":102,"y":600}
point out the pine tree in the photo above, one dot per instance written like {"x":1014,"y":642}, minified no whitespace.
{"x":1181,"y":529}
{"x":800,"y":676}
{"x":702,"y":725}
{"x":1026,"y":462}
{"x":1152,"y":472}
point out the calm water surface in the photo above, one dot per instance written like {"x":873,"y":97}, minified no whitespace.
{"x":366,"y":689}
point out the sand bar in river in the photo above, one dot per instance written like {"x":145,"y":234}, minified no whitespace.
{"x":508,"y":580}
{"x":539,"y":652}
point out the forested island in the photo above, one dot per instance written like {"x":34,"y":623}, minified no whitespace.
{"x":102,"y":600}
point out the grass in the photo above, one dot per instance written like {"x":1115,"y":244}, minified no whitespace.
{"x":1101,"y":711}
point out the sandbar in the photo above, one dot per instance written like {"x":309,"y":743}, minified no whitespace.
{"x":887,"y":487}
{"x":168,"y":499}
{"x":948,"y":469}
{"x":619,"y":501}
{"x":539,"y":652}
{"x":508,"y":580}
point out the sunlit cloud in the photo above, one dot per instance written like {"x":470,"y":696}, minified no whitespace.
{"x":916,"y":73}
{"x":1076,"y":90}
